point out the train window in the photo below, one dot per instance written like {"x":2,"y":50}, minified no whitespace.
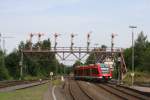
{"x":88,"y":71}
{"x":85,"y":71}
{"x":81,"y":72}
{"x":95,"y":71}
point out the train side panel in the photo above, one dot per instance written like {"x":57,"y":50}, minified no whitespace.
{"x":93,"y":72}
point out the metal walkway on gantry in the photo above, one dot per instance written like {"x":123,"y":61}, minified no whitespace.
{"x":79,"y":52}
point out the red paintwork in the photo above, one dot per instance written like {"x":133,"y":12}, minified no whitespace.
{"x":99,"y":75}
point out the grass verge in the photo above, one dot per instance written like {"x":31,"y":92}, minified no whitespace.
{"x":33,"y":93}
{"x":56,"y":82}
{"x":139,"y":78}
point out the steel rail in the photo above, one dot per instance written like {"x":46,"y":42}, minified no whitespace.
{"x":84,"y":91}
{"x":72,"y":94}
{"x":15,"y":83}
{"x":112,"y":92}
{"x":137,"y":95}
{"x":120,"y":93}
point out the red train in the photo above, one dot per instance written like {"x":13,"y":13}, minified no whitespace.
{"x":95,"y":72}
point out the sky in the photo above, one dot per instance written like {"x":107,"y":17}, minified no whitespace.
{"x":18,"y":18}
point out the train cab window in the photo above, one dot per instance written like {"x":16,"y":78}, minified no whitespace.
{"x":104,"y":68}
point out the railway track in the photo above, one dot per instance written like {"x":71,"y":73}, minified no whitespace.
{"x":122,"y":93}
{"x":77,"y":93}
{"x":15,"y":83}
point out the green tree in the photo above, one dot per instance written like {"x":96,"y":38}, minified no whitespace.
{"x":93,"y":57}
{"x":128,"y":57}
{"x":146,"y":61}
{"x":35,"y":64}
{"x":141,"y":54}
{"x":103,"y":46}
{"x":42,"y":63}
{"x":140,"y":47}
{"x":12,"y":64}
{"x":46,"y":44}
{"x":3,"y":70}
{"x":77,"y":63}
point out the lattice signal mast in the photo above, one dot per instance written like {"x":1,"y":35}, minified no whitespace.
{"x":72,"y":39}
{"x":112,"y":40}
{"x":39,"y":39}
{"x":88,"y":40}
{"x":55,"y":37}
{"x":2,"y":39}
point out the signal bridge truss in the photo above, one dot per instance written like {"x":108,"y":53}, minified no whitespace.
{"x":101,"y":54}
{"x":78,"y":52}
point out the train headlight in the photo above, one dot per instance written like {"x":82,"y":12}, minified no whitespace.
{"x":100,"y":77}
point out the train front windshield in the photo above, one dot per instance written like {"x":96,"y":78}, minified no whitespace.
{"x":104,"y":68}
